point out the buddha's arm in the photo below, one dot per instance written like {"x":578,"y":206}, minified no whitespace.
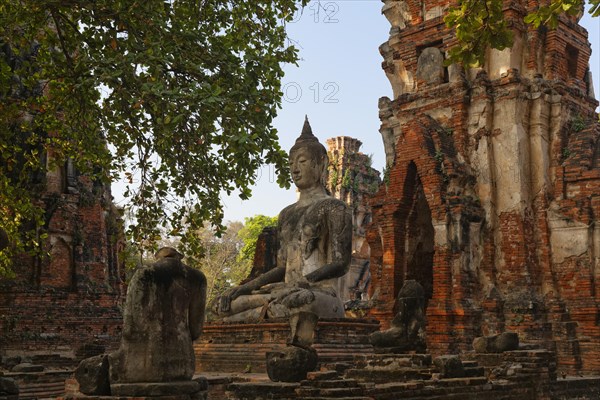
{"x":275,"y":275}
{"x":339,"y":223}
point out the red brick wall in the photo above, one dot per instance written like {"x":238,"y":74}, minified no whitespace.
{"x":494,"y":268}
{"x":70,"y":298}
{"x":58,"y":322}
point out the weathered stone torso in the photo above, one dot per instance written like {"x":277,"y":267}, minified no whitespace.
{"x":163,"y":315}
{"x":306,"y":239}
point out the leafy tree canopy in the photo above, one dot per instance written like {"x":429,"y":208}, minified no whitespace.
{"x":480,"y":24}
{"x":176,"y":96}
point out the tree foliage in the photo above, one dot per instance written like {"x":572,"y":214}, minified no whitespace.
{"x":177,"y":97}
{"x":219,"y":259}
{"x":480,"y":24}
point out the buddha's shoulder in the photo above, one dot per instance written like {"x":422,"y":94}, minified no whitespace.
{"x":286,"y":211}
{"x":332,"y":204}
{"x":328,"y":207}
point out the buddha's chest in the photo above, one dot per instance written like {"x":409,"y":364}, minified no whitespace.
{"x":303,"y":242}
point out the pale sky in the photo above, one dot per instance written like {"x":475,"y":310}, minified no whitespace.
{"x":338,"y":84}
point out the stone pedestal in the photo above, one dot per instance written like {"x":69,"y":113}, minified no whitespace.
{"x":196,"y":389}
{"x":259,"y":390}
{"x":241,"y":347}
{"x":157,"y":389}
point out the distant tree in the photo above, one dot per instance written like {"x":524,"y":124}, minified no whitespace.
{"x":219,"y":259}
{"x":177,"y":97}
{"x":481,"y":24}
{"x":253,"y":226}
{"x":135,"y":257}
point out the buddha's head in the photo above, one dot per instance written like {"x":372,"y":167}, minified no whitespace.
{"x":308,"y":160}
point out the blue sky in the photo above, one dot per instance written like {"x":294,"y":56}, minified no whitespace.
{"x":338,"y":83}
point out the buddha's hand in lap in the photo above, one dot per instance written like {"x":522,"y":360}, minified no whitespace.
{"x":226,"y":298}
{"x":298,"y":297}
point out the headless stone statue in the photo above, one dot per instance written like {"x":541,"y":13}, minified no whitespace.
{"x":314,"y":249}
{"x":407,"y":332}
{"x":164,"y":314}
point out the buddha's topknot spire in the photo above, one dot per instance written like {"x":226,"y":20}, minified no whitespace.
{"x":306,"y":135}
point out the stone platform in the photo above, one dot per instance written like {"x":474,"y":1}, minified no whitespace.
{"x":39,"y":385}
{"x":517,"y":375}
{"x":189,"y":388}
{"x":235,"y":347}
{"x":195,"y":389}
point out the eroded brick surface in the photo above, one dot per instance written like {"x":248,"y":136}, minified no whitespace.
{"x":503,"y":163}
{"x":67,"y":305}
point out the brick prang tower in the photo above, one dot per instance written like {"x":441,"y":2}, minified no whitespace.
{"x":352,"y":179}
{"x":66,"y":305}
{"x":492,"y":196}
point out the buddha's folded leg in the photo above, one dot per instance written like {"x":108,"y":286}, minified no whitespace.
{"x":248,"y":302}
{"x":277,"y":310}
{"x":248,"y":308}
{"x":320,"y":301}
{"x":251,"y":315}
{"x":325,"y":305}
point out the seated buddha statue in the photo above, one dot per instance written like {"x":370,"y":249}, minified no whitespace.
{"x":314,"y":249}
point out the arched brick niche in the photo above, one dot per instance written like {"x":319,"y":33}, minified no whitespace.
{"x":422,"y":225}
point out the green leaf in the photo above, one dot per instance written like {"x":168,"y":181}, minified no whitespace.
{"x":481,"y":24}
{"x":157,"y":88}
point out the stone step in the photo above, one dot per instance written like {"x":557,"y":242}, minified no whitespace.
{"x":458,"y":382}
{"x":446,"y":389}
{"x":335,"y":393}
{"x":254,"y":390}
{"x":41,"y":390}
{"x":396,"y":360}
{"x":340,"y":367}
{"x":474,"y":371}
{"x":337,"y":383}
{"x":389,"y":375}
{"x":322,"y":375}
{"x":529,"y":346}
{"x":469,"y":363}
{"x":339,"y":398}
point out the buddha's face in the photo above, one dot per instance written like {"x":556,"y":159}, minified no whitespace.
{"x":305,"y":168}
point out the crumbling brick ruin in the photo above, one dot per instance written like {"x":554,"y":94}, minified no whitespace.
{"x":353,"y":180}
{"x":492,"y":194}
{"x":67,"y":304}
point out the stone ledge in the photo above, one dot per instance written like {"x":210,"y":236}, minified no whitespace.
{"x":242,"y":347}
{"x":254,"y":390}
{"x":155,"y":389}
